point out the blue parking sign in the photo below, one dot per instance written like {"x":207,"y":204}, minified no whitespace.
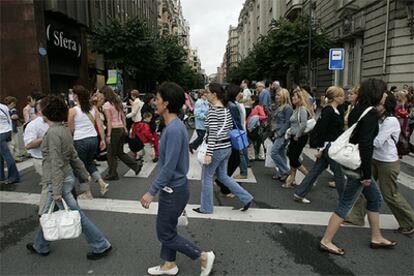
{"x":336,"y":58}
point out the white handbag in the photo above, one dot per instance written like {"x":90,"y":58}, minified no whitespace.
{"x":345,"y":153}
{"x":62,"y":224}
{"x":202,"y":150}
{"x":183,"y":219}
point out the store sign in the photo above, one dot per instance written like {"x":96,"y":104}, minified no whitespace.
{"x":58,"y":38}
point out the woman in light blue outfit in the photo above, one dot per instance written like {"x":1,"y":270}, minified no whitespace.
{"x":200,"y":114}
{"x":282,"y":116}
{"x":219,"y":122}
{"x":59,"y":157}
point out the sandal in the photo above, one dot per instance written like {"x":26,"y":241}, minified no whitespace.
{"x":324,"y":248}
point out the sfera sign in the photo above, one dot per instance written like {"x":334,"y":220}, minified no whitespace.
{"x":62,"y":40}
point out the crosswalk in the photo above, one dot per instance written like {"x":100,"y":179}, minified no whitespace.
{"x":195,"y":168}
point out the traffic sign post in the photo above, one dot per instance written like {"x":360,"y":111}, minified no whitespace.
{"x":336,"y":61}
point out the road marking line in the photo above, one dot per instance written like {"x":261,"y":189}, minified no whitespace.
{"x":296,"y":217}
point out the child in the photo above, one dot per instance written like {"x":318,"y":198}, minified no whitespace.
{"x":143,"y":131}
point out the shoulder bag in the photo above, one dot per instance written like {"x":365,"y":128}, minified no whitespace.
{"x":345,"y":153}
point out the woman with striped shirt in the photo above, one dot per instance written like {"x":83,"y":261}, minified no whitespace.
{"x":218,"y":123}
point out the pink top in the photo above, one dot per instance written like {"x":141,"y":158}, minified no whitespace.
{"x":116,"y":118}
{"x":257,"y":110}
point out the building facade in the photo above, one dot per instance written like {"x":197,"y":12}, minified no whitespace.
{"x":255,"y":20}
{"x":377,"y":37}
{"x":44,"y":43}
{"x":194,"y":60}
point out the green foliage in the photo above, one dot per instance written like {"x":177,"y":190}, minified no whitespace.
{"x":283,"y":48}
{"x":143,"y":55}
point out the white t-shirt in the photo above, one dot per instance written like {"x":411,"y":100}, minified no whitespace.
{"x":34,"y":130}
{"x":246,"y":97}
{"x":385,"y":148}
{"x":84,"y":128}
{"x":5,"y":121}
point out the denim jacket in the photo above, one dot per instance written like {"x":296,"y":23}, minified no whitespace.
{"x":282,"y":120}
{"x":200,"y":113}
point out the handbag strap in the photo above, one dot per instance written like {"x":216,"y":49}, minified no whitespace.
{"x":224,"y":124}
{"x":52,"y":206}
{"x":368,"y":109}
{"x":7,"y":116}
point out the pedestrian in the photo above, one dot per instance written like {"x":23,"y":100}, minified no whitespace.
{"x":15,"y":143}
{"x":264,"y":96}
{"x":371,"y":93}
{"x":5,"y":154}
{"x":282,"y":122}
{"x":33,"y":137}
{"x":85,"y":125}
{"x":29,"y":113}
{"x":257,"y":119}
{"x":98,"y":100}
{"x":330,"y":127}
{"x":352,"y":99}
{"x":218,"y":123}
{"x":116,"y":134}
{"x":173,"y":186}
{"x":244,"y":157}
{"x":60,"y":160}
{"x":136,"y":105}
{"x":385,"y":170}
{"x":246,"y":96}
{"x":298,"y":138}
{"x":200,"y":115}
{"x":142,"y":130}
{"x":232,"y":91}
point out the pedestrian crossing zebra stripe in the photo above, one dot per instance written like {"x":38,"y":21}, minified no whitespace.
{"x":255,"y":215}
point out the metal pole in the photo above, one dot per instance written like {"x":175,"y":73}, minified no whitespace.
{"x":310,"y":43}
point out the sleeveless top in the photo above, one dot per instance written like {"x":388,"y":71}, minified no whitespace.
{"x":84,"y":128}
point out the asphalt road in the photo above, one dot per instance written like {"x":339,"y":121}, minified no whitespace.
{"x":242,"y":247}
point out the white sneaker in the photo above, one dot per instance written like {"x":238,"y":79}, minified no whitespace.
{"x":156,"y":270}
{"x":301,"y":199}
{"x":105,"y":189}
{"x":205,"y":271}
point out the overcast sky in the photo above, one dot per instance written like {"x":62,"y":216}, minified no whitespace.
{"x":209,"y":24}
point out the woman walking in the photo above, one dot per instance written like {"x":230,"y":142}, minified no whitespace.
{"x":116,"y":134}
{"x":200,"y":114}
{"x":282,"y":120}
{"x":219,"y":122}
{"x":172,"y":183}
{"x":60,"y":159}
{"x":82,"y":119}
{"x":298,"y":138}
{"x":330,"y":126}
{"x":254,"y":122}
{"x":371,"y":92}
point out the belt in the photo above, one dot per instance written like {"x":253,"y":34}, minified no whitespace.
{"x":224,"y":141}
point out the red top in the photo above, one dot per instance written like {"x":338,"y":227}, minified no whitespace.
{"x":143,"y":131}
{"x":257,"y":110}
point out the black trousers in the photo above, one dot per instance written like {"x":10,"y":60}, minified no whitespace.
{"x":234,"y":162}
{"x":295,"y":150}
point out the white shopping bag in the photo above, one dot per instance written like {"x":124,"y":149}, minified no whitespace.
{"x":269,"y":161}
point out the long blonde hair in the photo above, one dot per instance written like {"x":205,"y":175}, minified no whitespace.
{"x":304,"y":97}
{"x":284,"y":98}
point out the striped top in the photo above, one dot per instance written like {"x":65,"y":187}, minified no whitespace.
{"x":216,"y":139}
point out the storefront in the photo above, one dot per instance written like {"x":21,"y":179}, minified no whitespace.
{"x":66,"y":50}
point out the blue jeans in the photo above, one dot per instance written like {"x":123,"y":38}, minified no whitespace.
{"x":170,"y":207}
{"x":218,"y":166}
{"x":279,"y":156}
{"x":352,"y":190}
{"x":93,"y":235}
{"x":197,"y":141}
{"x":86,"y":149}
{"x":244,"y":162}
{"x":5,"y":155}
{"x":320,"y":165}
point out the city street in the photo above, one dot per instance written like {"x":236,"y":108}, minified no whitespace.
{"x":277,"y":236}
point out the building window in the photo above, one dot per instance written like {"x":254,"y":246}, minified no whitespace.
{"x":351,"y":63}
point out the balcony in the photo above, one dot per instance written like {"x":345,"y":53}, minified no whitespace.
{"x":293,"y":8}
{"x":352,"y":25}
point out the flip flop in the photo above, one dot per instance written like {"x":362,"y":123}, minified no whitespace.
{"x":375,"y":245}
{"x":324,"y":248}
{"x":287,"y":186}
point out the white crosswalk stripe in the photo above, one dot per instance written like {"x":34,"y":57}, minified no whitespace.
{"x":220,"y":213}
